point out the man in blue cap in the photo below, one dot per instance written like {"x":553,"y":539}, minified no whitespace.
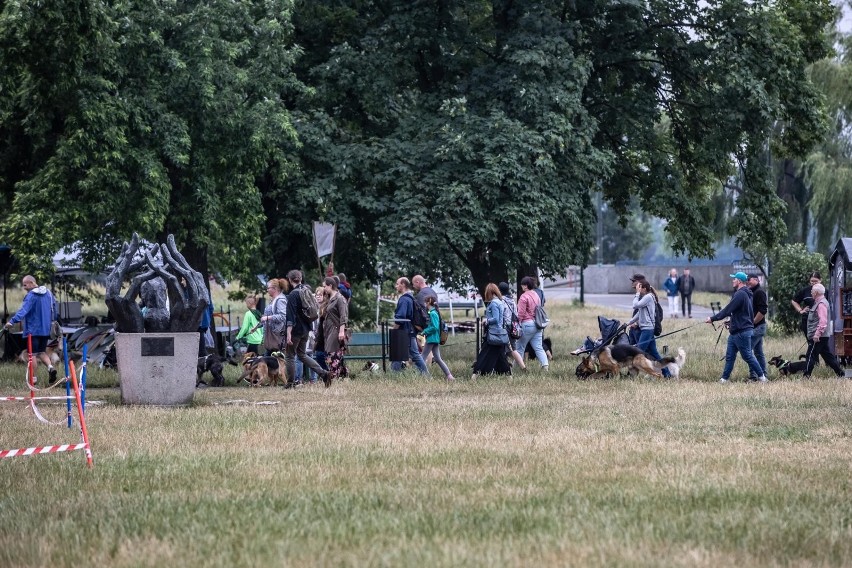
{"x":741,"y":328}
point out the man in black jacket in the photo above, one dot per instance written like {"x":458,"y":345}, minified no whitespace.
{"x":686,"y":285}
{"x":760,"y":306}
{"x":298,"y":329}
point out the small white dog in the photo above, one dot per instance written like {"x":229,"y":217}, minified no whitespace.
{"x":674,"y":368}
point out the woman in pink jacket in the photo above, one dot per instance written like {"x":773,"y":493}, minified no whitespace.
{"x":527,"y":304}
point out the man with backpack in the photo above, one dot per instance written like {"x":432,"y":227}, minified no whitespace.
{"x":408,"y":312}
{"x":302,"y":310}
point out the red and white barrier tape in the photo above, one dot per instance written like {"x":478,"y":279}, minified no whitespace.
{"x":43,"y":450}
{"x":8,"y":398}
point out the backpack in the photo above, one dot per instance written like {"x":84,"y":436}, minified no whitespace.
{"x":443,"y":330}
{"x":310,"y":308}
{"x":419,"y":315}
{"x":541,"y":318}
{"x":511,"y":322}
{"x":658,"y":319}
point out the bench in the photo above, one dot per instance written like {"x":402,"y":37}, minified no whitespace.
{"x":361,"y":339}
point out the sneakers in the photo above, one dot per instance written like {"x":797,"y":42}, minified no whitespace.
{"x":450,"y":378}
{"x":762,"y":379}
{"x":723,"y":380}
{"x":52,"y":374}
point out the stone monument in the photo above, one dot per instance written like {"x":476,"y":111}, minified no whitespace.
{"x":157,"y":343}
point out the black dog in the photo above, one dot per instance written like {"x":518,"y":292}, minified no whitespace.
{"x":212,"y":363}
{"x":545,"y":344}
{"x":789,"y":367}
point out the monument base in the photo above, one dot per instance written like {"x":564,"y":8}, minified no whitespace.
{"x":157,"y":368}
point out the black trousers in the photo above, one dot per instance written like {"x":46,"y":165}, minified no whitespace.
{"x":492,"y":359}
{"x":817,"y":348}
{"x":686,"y":303}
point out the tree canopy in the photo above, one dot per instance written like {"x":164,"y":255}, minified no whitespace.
{"x":448,"y":137}
{"x":118,"y":117}
{"x":474,"y":132}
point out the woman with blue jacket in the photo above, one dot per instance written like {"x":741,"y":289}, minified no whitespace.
{"x":432,"y":333}
{"x":492,"y":356}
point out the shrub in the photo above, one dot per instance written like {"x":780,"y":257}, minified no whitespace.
{"x":792,"y":265}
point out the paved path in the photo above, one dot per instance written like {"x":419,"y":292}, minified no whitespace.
{"x":622,"y":302}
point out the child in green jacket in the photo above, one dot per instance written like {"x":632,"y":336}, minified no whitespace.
{"x":433,"y":338}
{"x":254,"y":337}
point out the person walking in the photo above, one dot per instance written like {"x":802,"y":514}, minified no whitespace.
{"x":298,"y":329}
{"x":512,"y":312}
{"x":274,"y":317}
{"x":432,"y":333}
{"x":530,"y":333}
{"x":492,"y":355}
{"x":644,"y":304}
{"x":251,"y":329}
{"x":803,"y":301}
{"x":404,"y":313}
{"x":671,"y":292}
{"x":817,"y":339}
{"x":335,"y":322}
{"x":38,"y":312}
{"x":760,"y":306}
{"x":686,"y":286}
{"x":741,"y":328}
{"x":633,"y":332}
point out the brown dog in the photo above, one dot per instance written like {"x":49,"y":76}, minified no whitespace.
{"x":609,"y":360}
{"x":267,"y":370}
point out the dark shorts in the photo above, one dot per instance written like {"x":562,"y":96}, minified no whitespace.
{"x":40,"y":343}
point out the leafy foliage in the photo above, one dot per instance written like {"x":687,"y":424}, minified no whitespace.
{"x":829,"y":167}
{"x":140,"y":116}
{"x":473,"y":132}
{"x":790,"y":271}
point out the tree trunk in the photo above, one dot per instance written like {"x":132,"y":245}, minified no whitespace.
{"x":483,"y":271}
{"x":525,"y":270}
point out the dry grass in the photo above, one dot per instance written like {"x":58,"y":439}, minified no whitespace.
{"x":397,"y":471}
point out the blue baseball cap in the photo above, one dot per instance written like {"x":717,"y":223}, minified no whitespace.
{"x":741,"y":276}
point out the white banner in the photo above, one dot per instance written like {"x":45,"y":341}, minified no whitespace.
{"x":324,"y":238}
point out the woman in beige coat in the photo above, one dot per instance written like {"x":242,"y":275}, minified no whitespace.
{"x":334,"y":325}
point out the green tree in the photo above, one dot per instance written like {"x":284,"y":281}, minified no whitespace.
{"x":151,"y":117}
{"x":828,"y":169}
{"x":627,"y":238}
{"x":792,"y":265}
{"x":473,"y":132}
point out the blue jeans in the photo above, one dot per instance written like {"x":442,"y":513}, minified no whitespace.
{"x":530,"y":334}
{"x":414,"y":353}
{"x":757,"y":346}
{"x":740,"y":342}
{"x":648,"y":344}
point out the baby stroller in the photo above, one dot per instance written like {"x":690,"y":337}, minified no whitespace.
{"x":612,"y":332}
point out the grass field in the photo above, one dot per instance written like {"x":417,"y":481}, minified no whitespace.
{"x":537,"y":469}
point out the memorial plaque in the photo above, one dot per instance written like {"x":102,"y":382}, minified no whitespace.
{"x":158,"y":347}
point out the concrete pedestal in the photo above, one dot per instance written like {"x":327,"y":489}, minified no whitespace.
{"x":157,"y":368}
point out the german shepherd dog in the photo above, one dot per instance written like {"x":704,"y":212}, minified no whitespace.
{"x":609,"y":360}
{"x":789,"y":367}
{"x":263,"y":370}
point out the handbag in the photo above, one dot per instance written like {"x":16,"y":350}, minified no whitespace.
{"x":55,"y":331}
{"x":494,"y":337}
{"x":541,"y":319}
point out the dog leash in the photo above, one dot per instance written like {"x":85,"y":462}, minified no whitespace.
{"x":677,"y":331}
